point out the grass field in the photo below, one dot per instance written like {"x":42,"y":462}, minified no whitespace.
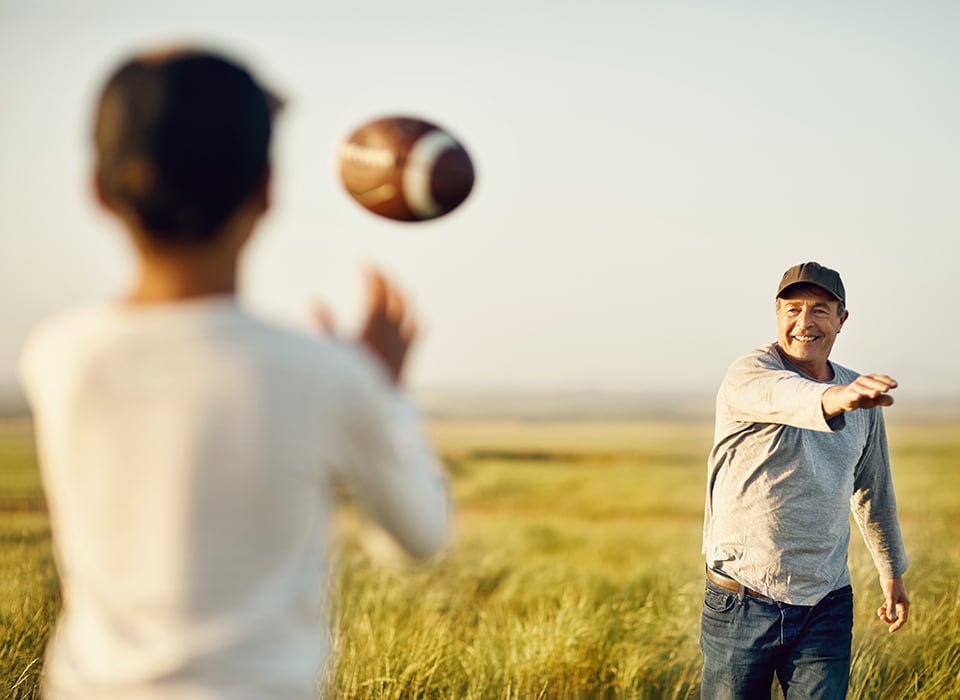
{"x":576,"y":571}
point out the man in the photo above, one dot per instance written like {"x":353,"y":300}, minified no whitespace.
{"x":188,"y":449}
{"x":799,"y":442}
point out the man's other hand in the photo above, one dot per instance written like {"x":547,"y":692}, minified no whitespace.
{"x":896,"y":603}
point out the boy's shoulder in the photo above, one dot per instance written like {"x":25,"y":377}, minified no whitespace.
{"x":208,"y":326}
{"x":60,"y":328}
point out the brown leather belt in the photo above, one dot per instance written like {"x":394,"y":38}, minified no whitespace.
{"x":728,"y":584}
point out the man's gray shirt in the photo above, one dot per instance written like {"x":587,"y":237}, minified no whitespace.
{"x":782,"y":480}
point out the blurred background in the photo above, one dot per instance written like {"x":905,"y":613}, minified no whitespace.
{"x":646,"y":171}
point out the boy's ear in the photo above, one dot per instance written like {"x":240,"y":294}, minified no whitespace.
{"x":100,"y":193}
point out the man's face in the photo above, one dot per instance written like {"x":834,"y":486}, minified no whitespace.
{"x":808,"y":321}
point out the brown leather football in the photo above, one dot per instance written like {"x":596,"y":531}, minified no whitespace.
{"x":405,"y":169}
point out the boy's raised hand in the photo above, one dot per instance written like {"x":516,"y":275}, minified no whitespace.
{"x":388,"y":329}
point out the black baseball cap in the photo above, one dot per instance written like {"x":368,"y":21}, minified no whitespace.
{"x":815,"y":274}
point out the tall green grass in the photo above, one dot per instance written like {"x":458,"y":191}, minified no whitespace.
{"x":576,"y":572}
{"x":29,"y":594}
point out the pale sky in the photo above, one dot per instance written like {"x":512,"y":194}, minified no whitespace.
{"x":646,"y":171}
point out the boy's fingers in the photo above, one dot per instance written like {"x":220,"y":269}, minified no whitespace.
{"x":396,"y":305}
{"x":385,"y":300}
{"x":323,"y":318}
{"x":408,"y":330}
{"x":376,"y":291}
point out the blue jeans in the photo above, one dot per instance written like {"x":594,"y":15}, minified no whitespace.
{"x":746,"y":640}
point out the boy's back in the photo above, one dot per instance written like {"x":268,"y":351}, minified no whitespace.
{"x":188,"y":452}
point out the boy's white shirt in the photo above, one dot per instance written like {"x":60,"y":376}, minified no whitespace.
{"x":188,"y":453}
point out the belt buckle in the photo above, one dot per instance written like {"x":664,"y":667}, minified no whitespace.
{"x":728,"y":583}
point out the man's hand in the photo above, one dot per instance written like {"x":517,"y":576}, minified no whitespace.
{"x":866,"y":391}
{"x":896,"y":603}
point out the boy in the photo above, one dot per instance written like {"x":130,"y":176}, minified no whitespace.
{"x":188,"y":449}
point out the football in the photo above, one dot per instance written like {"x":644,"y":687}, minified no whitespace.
{"x":405,"y":169}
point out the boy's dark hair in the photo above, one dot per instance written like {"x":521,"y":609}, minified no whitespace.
{"x":182,"y":141}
